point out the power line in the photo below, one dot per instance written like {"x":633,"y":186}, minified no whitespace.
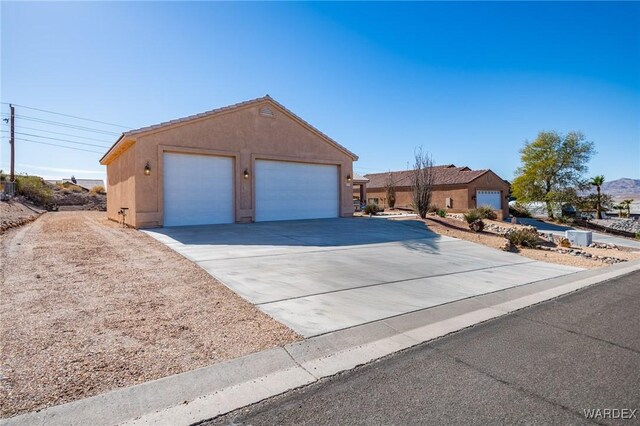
{"x":61,"y":140}
{"x":59,"y":146}
{"x":65,"y":134}
{"x":68,"y":115}
{"x":71,"y":126}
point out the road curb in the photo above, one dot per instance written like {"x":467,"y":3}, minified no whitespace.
{"x":207,"y":392}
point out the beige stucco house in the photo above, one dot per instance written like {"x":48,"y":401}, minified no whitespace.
{"x":253,"y":161}
{"x":455,"y":189}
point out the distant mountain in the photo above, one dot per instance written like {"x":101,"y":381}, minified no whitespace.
{"x":623,"y":187}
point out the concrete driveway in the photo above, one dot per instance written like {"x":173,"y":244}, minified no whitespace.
{"x":318,"y":276}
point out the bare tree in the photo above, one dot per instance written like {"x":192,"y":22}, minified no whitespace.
{"x":422,"y":181}
{"x":390,"y":187}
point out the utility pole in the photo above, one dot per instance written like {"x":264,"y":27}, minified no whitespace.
{"x":12,"y":178}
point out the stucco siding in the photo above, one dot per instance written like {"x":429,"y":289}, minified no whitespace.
{"x":463,"y":197}
{"x":242,"y":134}
{"x":121,"y":186}
{"x":490,"y":182}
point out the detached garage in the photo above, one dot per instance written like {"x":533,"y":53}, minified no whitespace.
{"x":253,"y":161}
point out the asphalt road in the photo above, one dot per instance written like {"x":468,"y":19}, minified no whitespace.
{"x":542,"y":365}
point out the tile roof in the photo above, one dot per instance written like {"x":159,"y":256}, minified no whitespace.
{"x":358,"y":178}
{"x":443,"y":175}
{"x":268,"y":98}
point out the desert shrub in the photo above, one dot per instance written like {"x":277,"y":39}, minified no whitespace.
{"x":519,"y":210}
{"x":638,"y":235}
{"x":432,"y":208}
{"x":477,"y":225}
{"x":471,"y":216}
{"x":371,"y":208}
{"x":34,"y":189}
{"x":525,"y":237}
{"x":564,"y":242}
{"x":487,"y":212}
{"x":98,"y":189}
{"x":441,"y":213}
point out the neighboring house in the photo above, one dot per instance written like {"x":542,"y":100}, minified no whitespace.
{"x":87,"y":184}
{"x":253,"y":161}
{"x":359,"y":190}
{"x":456,"y":189}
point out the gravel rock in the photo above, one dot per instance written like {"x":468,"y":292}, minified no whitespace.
{"x":626,"y":225}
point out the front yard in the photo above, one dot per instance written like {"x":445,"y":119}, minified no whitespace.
{"x":459,"y":229}
{"x":87,"y":306}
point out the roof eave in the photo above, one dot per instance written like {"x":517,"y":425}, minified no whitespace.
{"x":115,"y":150}
{"x":182,"y":121}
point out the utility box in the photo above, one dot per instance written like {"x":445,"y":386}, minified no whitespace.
{"x":579,"y":238}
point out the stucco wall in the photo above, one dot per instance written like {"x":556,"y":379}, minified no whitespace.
{"x":244,"y":135}
{"x":121,"y":186}
{"x":490,"y":182}
{"x":404,"y":197}
{"x":463,"y":196}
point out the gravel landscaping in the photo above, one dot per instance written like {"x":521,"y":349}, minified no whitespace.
{"x":87,"y":306}
{"x":585,"y":257}
{"x":14,"y":214}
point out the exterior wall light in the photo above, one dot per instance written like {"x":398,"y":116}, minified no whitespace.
{"x":147,"y":169}
{"x":246,"y":174}
{"x":348,"y":178}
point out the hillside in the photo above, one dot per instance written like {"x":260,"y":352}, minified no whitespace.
{"x":624,"y":187}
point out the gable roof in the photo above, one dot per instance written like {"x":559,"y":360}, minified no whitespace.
{"x":213,"y":112}
{"x":443,"y":175}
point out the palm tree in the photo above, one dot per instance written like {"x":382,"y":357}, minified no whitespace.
{"x":597,"y":181}
{"x":620,"y":208}
{"x":627,"y":205}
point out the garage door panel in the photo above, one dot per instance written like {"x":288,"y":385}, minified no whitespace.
{"x":289,"y":191}
{"x":489,"y":198}
{"x":198,"y":189}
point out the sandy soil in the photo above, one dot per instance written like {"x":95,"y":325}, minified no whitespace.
{"x":458,"y":229}
{"x":87,"y":306}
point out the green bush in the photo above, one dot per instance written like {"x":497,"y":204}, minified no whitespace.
{"x":638,"y":235}
{"x":525,"y":237}
{"x":34,"y":189}
{"x":471,"y":216}
{"x":441,"y":213}
{"x":372,"y":209}
{"x":487,"y":212}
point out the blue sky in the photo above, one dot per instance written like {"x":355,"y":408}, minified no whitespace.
{"x":470,"y":82}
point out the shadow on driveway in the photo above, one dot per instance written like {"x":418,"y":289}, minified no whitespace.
{"x":322,"y":233}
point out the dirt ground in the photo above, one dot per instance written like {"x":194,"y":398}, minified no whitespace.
{"x":458,"y":229}
{"x":87,"y":306}
{"x":15,"y":214}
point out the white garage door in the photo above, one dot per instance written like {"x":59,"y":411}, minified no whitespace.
{"x":288,"y":191}
{"x":198,"y":189}
{"x":489,"y":198}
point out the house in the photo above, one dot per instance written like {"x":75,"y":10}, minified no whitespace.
{"x":252,"y":161}
{"x":455,"y":189}
{"x":359,"y":190}
{"x":86,"y":184}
